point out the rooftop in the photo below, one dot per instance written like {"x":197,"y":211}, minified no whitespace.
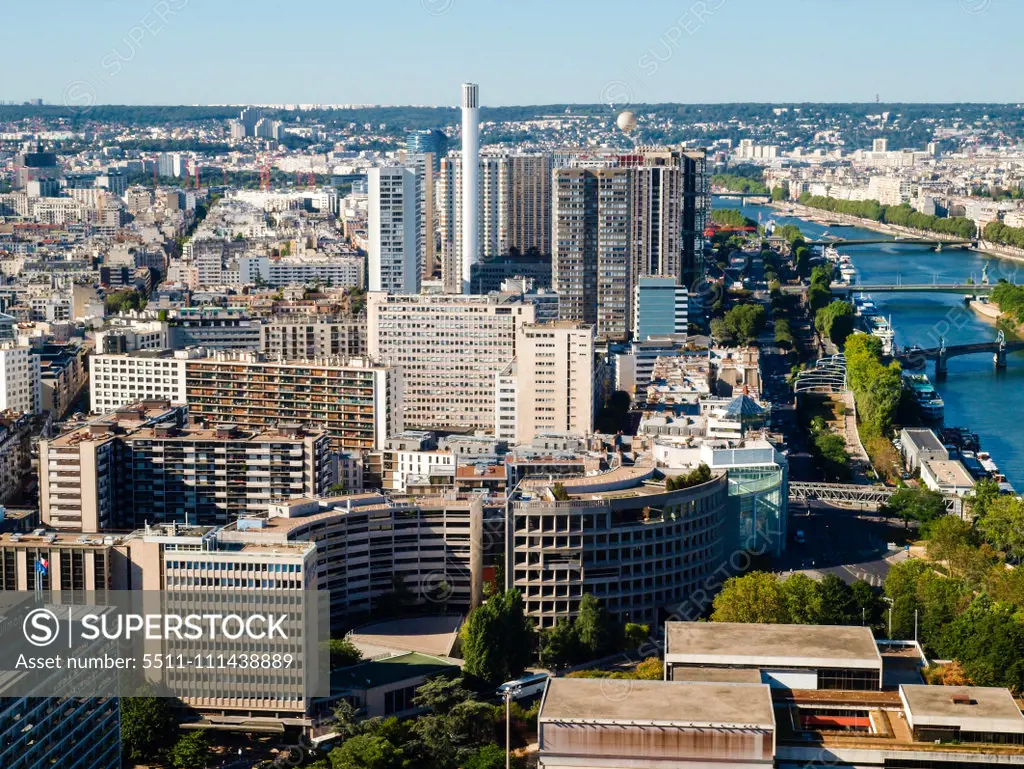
{"x":924,"y":439}
{"x":738,"y":643}
{"x":657,"y":702}
{"x":949,"y":472}
{"x":972,"y":708}
{"x":390,"y":670}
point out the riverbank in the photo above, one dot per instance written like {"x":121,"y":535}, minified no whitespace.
{"x":823,"y":217}
{"x":985,"y":309}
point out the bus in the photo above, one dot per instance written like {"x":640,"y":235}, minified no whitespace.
{"x":521,"y":688}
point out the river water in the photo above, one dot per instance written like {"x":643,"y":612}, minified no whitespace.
{"x":988,"y":401}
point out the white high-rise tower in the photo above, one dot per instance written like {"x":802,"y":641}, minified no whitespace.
{"x":470,"y":180}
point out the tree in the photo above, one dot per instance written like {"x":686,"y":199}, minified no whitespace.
{"x":754,"y":597}
{"x":343,"y":653}
{"x":946,"y":536}
{"x":440,"y":694}
{"x":720,"y":331}
{"x":559,"y":646}
{"x":559,"y":493}
{"x":838,"y":604}
{"x":985,"y":492}
{"x":783,"y":334}
{"x":700,"y":474}
{"x":594,"y":628}
{"x":346,"y":719}
{"x":803,"y":599}
{"x":448,"y":739}
{"x":649,"y":669}
{"x":835,"y":321}
{"x":366,"y":751}
{"x":746,"y":321}
{"x":917,"y":504}
{"x":191,"y":751}
{"x":490,"y":756}
{"x":145,"y":724}
{"x":498,"y":639}
{"x":868,"y":603}
{"x":1003,"y":525}
{"x":818,"y":296}
{"x":636,"y":635}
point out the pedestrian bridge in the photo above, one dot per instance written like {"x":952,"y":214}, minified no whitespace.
{"x":853,"y":494}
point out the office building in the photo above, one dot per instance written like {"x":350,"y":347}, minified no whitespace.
{"x":555,"y":389}
{"x":393,"y":223}
{"x":655,"y":725}
{"x":430,"y":141}
{"x":365,"y":543}
{"x":639,"y":548}
{"x":65,"y":732}
{"x":21,"y":383}
{"x":787,"y":656}
{"x":659,"y":308}
{"x":449,"y":348}
{"x":525,"y":182}
{"x":307,"y":336}
{"x":621,"y":218}
{"x":470,"y":225}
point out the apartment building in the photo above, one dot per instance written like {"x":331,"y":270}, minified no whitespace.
{"x":514,"y":209}
{"x":449,"y":348}
{"x":337,"y":271}
{"x":118,"y":379}
{"x":621,"y":218}
{"x":393,"y":223}
{"x":554,"y":380}
{"x":143,"y":465}
{"x":357,"y":402}
{"x":306,"y":336}
{"x":21,"y":383}
{"x":592,"y":252}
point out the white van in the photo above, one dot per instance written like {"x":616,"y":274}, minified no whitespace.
{"x":527,"y":686}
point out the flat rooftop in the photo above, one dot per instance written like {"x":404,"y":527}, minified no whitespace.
{"x":950,"y":472}
{"x":971,"y":708}
{"x":666,"y":703}
{"x":697,"y":675}
{"x":924,"y":439}
{"x":742,"y":644}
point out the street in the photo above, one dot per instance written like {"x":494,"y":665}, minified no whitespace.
{"x":848,"y":543}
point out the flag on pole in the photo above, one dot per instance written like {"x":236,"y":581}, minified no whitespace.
{"x":42,"y":565}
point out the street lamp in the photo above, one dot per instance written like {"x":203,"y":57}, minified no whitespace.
{"x":889,"y":601}
{"x":508,"y":728}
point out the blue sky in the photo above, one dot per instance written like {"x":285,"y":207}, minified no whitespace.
{"x":522,"y":52}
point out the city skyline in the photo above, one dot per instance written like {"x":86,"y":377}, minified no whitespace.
{"x":126,"y":55}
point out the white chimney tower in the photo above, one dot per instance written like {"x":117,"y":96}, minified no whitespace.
{"x":470,"y":181}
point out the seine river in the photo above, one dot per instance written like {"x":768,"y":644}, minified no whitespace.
{"x":989,"y":402}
